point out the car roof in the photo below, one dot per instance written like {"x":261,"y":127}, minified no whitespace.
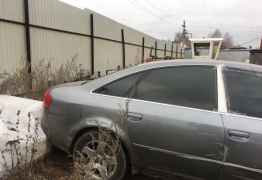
{"x":195,"y":62}
{"x":168,"y":63}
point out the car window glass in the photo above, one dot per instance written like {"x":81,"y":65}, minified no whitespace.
{"x":244,"y":91}
{"x":121,"y":87}
{"x":190,"y":86}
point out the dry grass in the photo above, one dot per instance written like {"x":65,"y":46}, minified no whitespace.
{"x":18,"y":156}
{"x":16,"y":83}
{"x":42,"y":77}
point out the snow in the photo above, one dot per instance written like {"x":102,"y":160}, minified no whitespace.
{"x":19,"y":119}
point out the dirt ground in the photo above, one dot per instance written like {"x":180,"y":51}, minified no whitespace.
{"x":57,"y":165}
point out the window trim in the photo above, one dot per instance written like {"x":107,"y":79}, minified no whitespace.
{"x":221,"y":90}
{"x":146,"y":72}
{"x":143,"y":73}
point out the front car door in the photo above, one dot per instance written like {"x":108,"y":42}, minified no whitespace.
{"x":173,"y":122}
{"x":243,"y":124}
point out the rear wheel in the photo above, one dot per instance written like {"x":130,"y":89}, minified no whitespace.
{"x":100,"y":156}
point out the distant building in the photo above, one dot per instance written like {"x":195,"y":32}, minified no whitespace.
{"x":205,"y":48}
{"x":210,"y":48}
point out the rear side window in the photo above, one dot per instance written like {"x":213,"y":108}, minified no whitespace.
{"x":121,"y":87}
{"x":244,"y":91}
{"x":190,"y":86}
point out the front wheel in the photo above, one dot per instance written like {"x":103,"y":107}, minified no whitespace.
{"x":99,"y":156}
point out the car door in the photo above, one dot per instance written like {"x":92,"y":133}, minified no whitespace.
{"x":243,"y":124}
{"x":173,"y":122}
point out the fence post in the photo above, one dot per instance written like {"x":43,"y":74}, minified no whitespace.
{"x":172,"y":49}
{"x":151,"y":51}
{"x":176,"y":50}
{"x":28,"y":42}
{"x":165,"y":51}
{"x":123,"y":48}
{"x":143,"y":50}
{"x":92,"y":45}
{"x":156,"y":49}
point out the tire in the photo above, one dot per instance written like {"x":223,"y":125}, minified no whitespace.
{"x":87,"y":139}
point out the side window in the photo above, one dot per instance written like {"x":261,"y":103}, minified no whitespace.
{"x":190,"y":86}
{"x":121,"y":87}
{"x":244,"y":91}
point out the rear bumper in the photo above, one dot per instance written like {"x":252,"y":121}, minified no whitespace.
{"x":54,"y":129}
{"x":44,"y":125}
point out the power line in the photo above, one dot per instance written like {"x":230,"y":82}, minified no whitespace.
{"x":149,"y":11}
{"x":153,"y":6}
{"x":147,"y":4}
{"x":136,"y":5}
{"x":250,"y":41}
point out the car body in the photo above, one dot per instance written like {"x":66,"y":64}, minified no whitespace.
{"x":199,"y":119}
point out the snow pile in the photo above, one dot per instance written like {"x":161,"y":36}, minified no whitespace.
{"x":19,"y":120}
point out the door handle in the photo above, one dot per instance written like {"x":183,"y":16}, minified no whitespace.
{"x":238,"y":135}
{"x":135,"y":116}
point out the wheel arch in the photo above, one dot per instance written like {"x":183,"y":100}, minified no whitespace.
{"x":88,"y":125}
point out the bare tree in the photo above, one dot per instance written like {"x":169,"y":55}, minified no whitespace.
{"x":228,"y":41}
{"x":216,"y":34}
{"x":227,"y":38}
{"x":180,"y":38}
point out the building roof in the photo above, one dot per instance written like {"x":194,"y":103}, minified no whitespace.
{"x":205,"y":39}
{"x":240,"y":65}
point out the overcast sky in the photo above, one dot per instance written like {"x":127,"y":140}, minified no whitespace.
{"x":162,"y":18}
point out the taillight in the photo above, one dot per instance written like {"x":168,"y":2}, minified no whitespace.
{"x":47,"y":99}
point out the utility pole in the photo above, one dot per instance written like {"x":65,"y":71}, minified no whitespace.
{"x":181,"y":39}
{"x":184,"y":30}
{"x":185,"y":39}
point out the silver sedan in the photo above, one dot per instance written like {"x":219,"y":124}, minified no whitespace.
{"x":198,"y":119}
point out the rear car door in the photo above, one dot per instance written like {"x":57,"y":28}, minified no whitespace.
{"x":173,"y":122}
{"x":243,"y":124}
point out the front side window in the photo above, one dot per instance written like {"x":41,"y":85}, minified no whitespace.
{"x":190,"y":86}
{"x":121,"y":87}
{"x":244,"y":91}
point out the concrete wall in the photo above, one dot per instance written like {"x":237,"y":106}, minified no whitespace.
{"x":133,"y":55}
{"x":59,"y":48}
{"x":12,"y":9}
{"x":12,"y":42}
{"x":108,"y":55}
{"x":55,"y":14}
{"x":59,"y":32}
{"x":12,"y":47}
